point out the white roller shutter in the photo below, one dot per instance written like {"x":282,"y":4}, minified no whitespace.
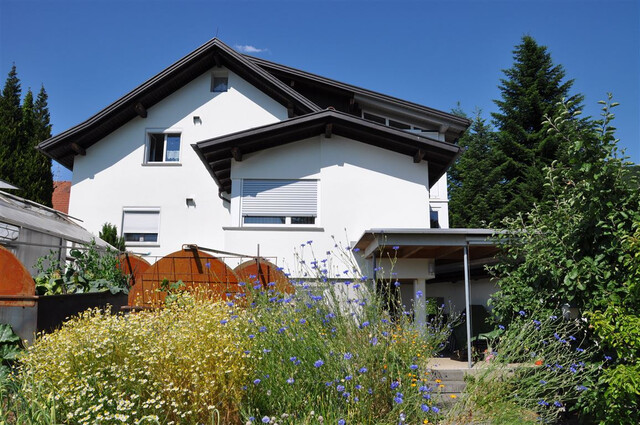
{"x":141,"y":222}
{"x":288,"y":198}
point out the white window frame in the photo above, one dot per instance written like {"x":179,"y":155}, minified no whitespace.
{"x":154,"y":210}
{"x":165,"y":132}
{"x":287,"y":216}
{"x":387,"y":122}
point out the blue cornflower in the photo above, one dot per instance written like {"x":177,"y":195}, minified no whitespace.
{"x":396,"y":283}
{"x":424,"y":408}
{"x":318,"y":363}
{"x":348,"y":378}
{"x":262,"y":329}
{"x":395,"y":385}
{"x":358,"y":387}
{"x":501,"y":327}
{"x":543,"y":403}
{"x":346,"y":394}
{"x":257,"y":381}
{"x":302,"y":321}
{"x":251,"y":336}
{"x":266,"y":420}
{"x":418,"y":294}
{"x":365,"y":324}
{"x":607,"y":358}
{"x":581,"y":388}
{"x":342,"y":422}
{"x":557,"y":404}
{"x":423,"y":388}
{"x":398,"y":400}
{"x":340,"y":388}
{"x":348,"y":356}
{"x":522,"y":313}
{"x":542,"y":381}
{"x":362,"y":369}
{"x":413,"y":367}
{"x":373,"y":341}
{"x":579,"y":350}
{"x":434,"y":409}
{"x":223,"y":321}
{"x":290,"y":381}
{"x":395,"y":247}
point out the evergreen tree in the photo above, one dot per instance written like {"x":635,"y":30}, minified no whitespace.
{"x":531,"y":90}
{"x":22,"y":127}
{"x":471,"y":176}
{"x":10,"y":123}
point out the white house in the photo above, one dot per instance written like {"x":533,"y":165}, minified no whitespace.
{"x":230,"y":151}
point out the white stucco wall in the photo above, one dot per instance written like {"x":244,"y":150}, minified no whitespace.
{"x":359,"y":187}
{"x":113,"y":175}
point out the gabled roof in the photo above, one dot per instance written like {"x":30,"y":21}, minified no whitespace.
{"x":64,"y":146}
{"x":327,"y":92}
{"x":218,"y":152}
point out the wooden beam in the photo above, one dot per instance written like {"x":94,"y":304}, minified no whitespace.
{"x":236,"y":153}
{"x":140,"y":110}
{"x":328,"y":129}
{"x":78,"y":149}
{"x":413,"y":251}
{"x":446,"y":251}
{"x":418,"y":156}
{"x":443,"y":128}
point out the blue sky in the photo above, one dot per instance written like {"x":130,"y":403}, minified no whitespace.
{"x":437,"y":53}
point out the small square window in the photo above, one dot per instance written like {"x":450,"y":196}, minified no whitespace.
{"x":163,"y":147}
{"x":435,"y":220}
{"x":219,"y":83}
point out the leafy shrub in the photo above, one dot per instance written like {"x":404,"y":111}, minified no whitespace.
{"x":173,"y":365}
{"x":90,"y":270}
{"x":109,"y":234}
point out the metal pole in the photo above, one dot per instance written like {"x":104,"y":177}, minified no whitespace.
{"x":467,"y":296}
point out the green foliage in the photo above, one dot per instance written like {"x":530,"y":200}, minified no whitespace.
{"x":580,"y":247}
{"x":90,"y":271}
{"x":109,"y":234}
{"x":471,"y":177}
{"x":22,"y":127}
{"x":10,"y":344}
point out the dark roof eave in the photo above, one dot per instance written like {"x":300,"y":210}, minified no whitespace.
{"x":176,"y":75}
{"x":464,"y":122}
{"x":216,"y":152}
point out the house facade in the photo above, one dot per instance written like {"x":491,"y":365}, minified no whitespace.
{"x":243,"y":155}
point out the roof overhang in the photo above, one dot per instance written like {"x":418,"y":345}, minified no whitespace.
{"x":445,"y":246}
{"x":217,"y":153}
{"x":74,"y":141}
{"x":449,"y":124}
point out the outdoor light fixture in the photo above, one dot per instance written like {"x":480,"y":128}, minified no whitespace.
{"x":191,"y":203}
{"x":197,"y":120}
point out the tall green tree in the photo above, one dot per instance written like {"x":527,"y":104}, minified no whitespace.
{"x":22,"y":126}
{"x":10,"y":123}
{"x":531,"y":89}
{"x":471,"y":176}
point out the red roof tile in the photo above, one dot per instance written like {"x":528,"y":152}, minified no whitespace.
{"x":60,"y":197}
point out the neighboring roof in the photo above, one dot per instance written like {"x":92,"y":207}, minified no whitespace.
{"x":7,"y":186}
{"x":217,"y":153}
{"x":343,"y":93}
{"x":60,"y":196}
{"x":64,"y":146}
{"x":23,"y":213}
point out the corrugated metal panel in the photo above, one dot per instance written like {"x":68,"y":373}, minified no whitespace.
{"x":25,"y":214}
{"x":287,"y":198}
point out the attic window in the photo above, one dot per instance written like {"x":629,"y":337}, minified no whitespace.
{"x":219,"y":83}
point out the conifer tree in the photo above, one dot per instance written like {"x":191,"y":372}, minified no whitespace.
{"x":22,"y":127}
{"x":10,"y":122}
{"x":471,"y":176}
{"x":531,"y":89}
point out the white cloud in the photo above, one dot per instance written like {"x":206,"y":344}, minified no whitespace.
{"x":247,"y":48}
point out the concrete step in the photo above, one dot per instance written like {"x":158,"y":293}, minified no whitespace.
{"x":447,"y":374}
{"x":450,"y":387}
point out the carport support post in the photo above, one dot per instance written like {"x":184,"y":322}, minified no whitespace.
{"x":467,"y":298}
{"x":419,"y":307}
